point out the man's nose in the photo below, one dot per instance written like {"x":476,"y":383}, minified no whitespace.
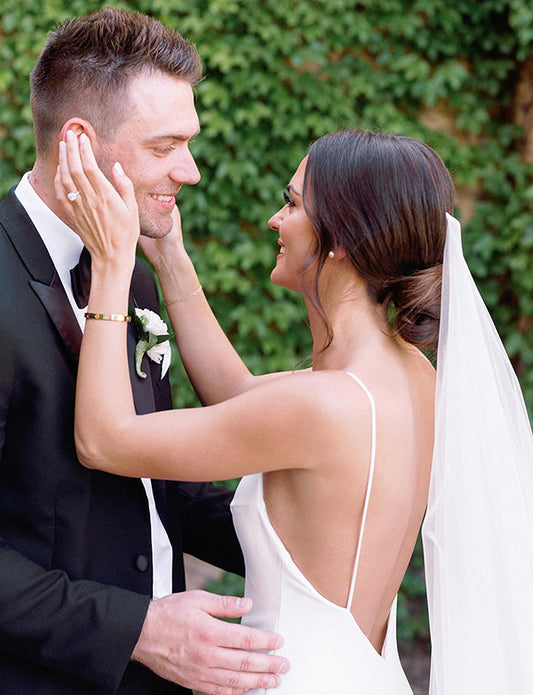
{"x":185,"y":169}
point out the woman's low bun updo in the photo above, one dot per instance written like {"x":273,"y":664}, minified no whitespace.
{"x":415,"y":301}
{"x":383,"y":199}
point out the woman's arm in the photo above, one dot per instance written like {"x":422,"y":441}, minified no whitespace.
{"x":273,"y":427}
{"x":213,"y":366}
{"x":283,"y":424}
{"x":215,"y":369}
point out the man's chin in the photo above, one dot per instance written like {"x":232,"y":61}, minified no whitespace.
{"x":153,"y":231}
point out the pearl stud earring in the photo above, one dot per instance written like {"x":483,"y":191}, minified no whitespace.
{"x":331,"y":254}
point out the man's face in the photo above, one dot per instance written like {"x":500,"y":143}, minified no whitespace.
{"x":152,"y":145}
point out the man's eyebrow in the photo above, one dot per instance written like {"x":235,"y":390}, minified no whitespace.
{"x":180,"y":137}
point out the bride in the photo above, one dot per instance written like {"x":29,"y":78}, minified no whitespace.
{"x":336,"y":460}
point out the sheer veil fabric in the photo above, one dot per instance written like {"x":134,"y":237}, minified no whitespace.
{"x":478,"y":530}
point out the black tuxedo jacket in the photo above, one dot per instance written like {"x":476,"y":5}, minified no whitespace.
{"x":75,"y":548}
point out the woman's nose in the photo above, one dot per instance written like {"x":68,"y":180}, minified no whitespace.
{"x":275,"y":220}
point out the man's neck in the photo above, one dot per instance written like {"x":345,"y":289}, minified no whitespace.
{"x":41,"y":179}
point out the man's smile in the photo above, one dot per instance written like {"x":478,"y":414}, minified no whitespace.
{"x":162,"y":198}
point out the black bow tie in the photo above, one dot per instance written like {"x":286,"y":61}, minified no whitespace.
{"x":80,"y":279}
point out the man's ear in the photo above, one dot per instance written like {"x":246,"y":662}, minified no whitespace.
{"x":79,"y":126}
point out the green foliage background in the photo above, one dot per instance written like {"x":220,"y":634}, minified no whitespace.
{"x":279,"y":75}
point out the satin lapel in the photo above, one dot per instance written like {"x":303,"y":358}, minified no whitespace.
{"x":143,"y":394}
{"x":55,"y":302}
{"x":143,"y":398}
{"x":45,"y":281}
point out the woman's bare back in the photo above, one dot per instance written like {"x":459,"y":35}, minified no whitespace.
{"x":317,"y":511}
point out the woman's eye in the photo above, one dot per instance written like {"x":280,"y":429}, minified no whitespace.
{"x":288,"y":200}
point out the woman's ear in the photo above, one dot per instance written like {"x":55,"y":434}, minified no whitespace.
{"x":339,"y":253}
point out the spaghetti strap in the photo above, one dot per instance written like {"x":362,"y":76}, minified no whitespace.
{"x":368,"y":488}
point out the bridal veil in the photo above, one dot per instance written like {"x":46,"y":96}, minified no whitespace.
{"x":478,"y":530}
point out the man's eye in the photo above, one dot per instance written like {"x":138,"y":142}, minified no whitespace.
{"x":163,"y":150}
{"x":288,"y":200}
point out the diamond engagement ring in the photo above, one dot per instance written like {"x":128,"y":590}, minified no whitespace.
{"x":72,"y":196}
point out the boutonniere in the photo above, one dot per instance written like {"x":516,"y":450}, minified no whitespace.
{"x":152,"y":338}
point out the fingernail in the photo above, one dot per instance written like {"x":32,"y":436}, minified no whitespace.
{"x":70,"y":135}
{"x":284,"y":667}
{"x":120,"y":172}
{"x":61,"y":145}
{"x":84,"y":138}
{"x":279,"y":643}
{"x":272,"y":683}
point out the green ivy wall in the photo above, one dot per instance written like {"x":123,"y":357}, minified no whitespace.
{"x":278,"y":75}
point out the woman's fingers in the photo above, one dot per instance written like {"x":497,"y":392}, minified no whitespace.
{"x":82,"y":152}
{"x":104,"y":216}
{"x":80,"y":170}
{"x":91,"y":170}
{"x":76,"y":168}
{"x":75,"y":188}
{"x":125,"y":187}
{"x":64,"y":183}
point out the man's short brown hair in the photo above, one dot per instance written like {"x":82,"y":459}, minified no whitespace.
{"x":87,"y":64}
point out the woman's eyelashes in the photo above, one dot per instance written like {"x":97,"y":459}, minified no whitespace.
{"x":288,"y":200}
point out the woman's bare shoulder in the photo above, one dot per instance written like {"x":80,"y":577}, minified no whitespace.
{"x":330,"y":401}
{"x":323,"y":389}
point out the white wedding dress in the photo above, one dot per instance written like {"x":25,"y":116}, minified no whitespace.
{"x":329,"y":653}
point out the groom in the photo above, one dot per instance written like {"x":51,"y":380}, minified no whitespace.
{"x":83,"y":553}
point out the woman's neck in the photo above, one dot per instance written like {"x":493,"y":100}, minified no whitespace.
{"x":359,"y":328}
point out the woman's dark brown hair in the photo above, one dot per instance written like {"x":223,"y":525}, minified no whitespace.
{"x":383,"y":199}
{"x":87,"y":64}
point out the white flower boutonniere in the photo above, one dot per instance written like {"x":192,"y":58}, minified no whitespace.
{"x":153,"y":339}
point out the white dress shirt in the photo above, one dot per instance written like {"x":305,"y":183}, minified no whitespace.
{"x":64,"y":247}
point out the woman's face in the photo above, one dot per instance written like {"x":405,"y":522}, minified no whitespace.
{"x":296,"y":237}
